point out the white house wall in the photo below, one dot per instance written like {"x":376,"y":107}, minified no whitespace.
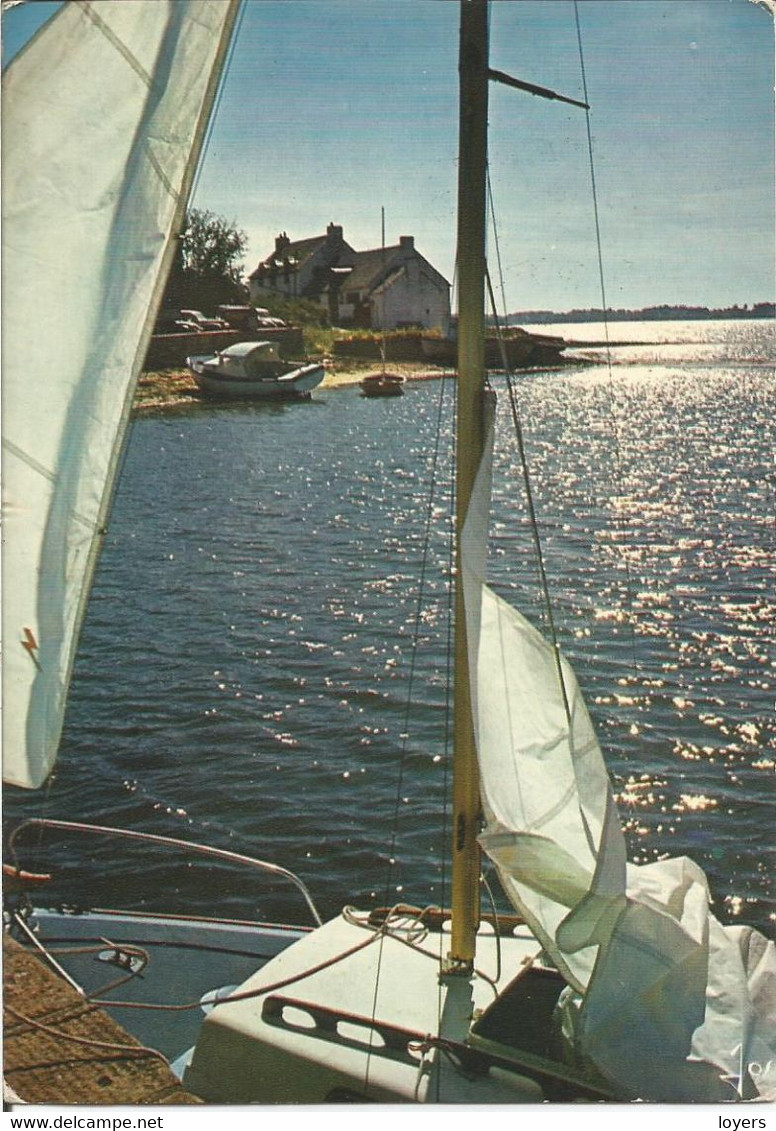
{"x":414,"y":294}
{"x":413,"y":298}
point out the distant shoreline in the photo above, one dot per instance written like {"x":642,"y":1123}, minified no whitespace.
{"x":647,"y":314}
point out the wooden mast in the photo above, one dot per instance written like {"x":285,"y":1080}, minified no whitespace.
{"x":473,"y":146}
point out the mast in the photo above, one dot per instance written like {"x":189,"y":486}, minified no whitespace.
{"x":382,"y":285}
{"x":473,"y":148}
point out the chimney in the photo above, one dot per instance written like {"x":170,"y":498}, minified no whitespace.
{"x":281,"y":243}
{"x":407,"y":243}
{"x":334,"y":233}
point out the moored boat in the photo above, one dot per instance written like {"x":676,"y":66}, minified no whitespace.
{"x":254,"y":370}
{"x":382,"y":385}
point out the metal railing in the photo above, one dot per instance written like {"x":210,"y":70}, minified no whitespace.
{"x":167,"y":842}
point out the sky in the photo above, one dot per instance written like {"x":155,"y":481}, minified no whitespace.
{"x":333,"y":110}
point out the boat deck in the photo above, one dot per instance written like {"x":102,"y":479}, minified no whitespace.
{"x":60,"y":1049}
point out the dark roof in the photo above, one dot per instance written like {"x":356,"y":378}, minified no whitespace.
{"x":389,"y":279}
{"x":298,"y":252}
{"x":354,"y":270}
{"x":369,"y":266}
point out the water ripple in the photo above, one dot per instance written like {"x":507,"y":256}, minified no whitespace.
{"x":245,"y":665}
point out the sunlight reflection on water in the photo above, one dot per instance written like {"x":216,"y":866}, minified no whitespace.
{"x":245,"y":665}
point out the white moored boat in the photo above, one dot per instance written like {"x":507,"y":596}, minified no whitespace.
{"x":253,"y":369}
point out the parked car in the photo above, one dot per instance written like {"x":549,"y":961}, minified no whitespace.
{"x":198,"y":319}
{"x":250,"y":318}
{"x":239,"y":317}
{"x":172,"y":325}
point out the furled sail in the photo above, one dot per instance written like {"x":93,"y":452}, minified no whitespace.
{"x":551,"y":822}
{"x":668,"y":1004}
{"x":103,"y":117}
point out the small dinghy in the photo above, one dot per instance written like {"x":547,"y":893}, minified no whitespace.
{"x":382,"y":385}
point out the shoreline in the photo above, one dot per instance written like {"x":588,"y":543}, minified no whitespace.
{"x":176,"y":387}
{"x":171,"y":388}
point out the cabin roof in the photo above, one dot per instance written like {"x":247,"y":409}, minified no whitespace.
{"x":248,"y":349}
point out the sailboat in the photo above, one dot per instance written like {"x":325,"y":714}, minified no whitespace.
{"x":382,"y":383}
{"x":610,"y":981}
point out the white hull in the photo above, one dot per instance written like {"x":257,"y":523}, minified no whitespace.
{"x":350,"y":1013}
{"x":289,"y":1036}
{"x":300,"y":1016}
{"x":297,"y":383}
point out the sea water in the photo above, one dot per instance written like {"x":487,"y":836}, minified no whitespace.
{"x":264,"y":661}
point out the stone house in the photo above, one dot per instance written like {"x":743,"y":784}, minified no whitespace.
{"x":386,"y":288}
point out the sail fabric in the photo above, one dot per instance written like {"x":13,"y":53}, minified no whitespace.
{"x":103,"y":113}
{"x":697,"y":1020}
{"x":551,"y":822}
{"x":667,"y":1004}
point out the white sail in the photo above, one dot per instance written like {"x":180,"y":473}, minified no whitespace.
{"x":670,"y":1005}
{"x":551,"y":822}
{"x":681,"y":1009}
{"x":103,"y":117}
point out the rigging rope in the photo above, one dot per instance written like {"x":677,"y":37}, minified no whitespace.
{"x":517,"y":424}
{"x":605,"y":316}
{"x":62,"y":1035}
{"x":410,"y":689}
{"x":449,"y":683}
{"x":512,"y":391}
{"x":392,"y":924}
{"x":421,"y":593}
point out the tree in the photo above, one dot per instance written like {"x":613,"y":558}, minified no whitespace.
{"x":211,"y":248}
{"x":207,"y":270}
